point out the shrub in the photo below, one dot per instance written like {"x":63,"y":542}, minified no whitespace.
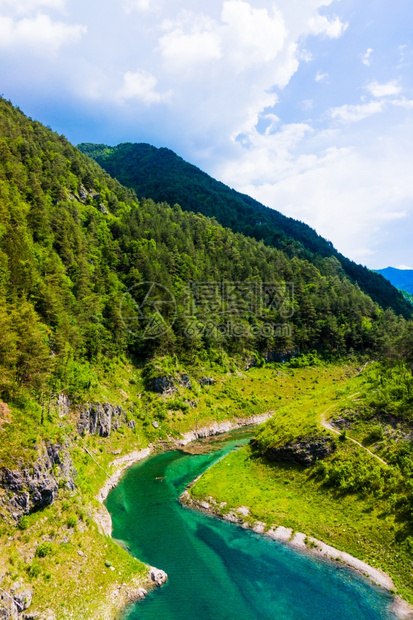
{"x":43,"y":550}
{"x":23,"y":523}
{"x":71,"y":521}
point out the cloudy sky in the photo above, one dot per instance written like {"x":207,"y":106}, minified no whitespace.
{"x":307,"y":105}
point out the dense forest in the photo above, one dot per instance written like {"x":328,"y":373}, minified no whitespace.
{"x":74,"y":242}
{"x":163,"y":176}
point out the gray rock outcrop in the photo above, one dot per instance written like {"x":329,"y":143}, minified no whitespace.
{"x":207,"y":381}
{"x":166,"y":385}
{"x":137,"y":594}
{"x":163,"y":385}
{"x":13,"y":604}
{"x":34,"y":488}
{"x":63,"y":405}
{"x":100,"y":419}
{"x":159,"y":577}
{"x":185,"y":382}
{"x":341,"y":423}
{"x":8,"y":609}
{"x":302,"y":451}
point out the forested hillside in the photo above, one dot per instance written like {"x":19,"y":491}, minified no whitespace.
{"x":73,"y":241}
{"x":163,"y":176}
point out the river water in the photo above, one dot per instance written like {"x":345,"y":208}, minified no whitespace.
{"x":218,"y":571}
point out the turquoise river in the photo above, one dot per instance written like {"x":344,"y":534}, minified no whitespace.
{"x":218,"y":571}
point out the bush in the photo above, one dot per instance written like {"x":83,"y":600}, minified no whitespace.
{"x":71,"y":521}
{"x":23,"y":523}
{"x":43,"y":550}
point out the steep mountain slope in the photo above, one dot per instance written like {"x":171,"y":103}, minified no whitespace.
{"x":400,"y":278}
{"x":163,"y":176}
{"x":74,"y":241}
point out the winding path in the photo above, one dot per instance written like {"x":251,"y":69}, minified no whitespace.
{"x":329,"y":427}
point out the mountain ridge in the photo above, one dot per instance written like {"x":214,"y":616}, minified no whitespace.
{"x":164,"y":176}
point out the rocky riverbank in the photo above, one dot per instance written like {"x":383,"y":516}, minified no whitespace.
{"x":219,"y":428}
{"x":301,"y":542}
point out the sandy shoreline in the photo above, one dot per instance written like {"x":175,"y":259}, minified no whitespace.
{"x":305,"y":544}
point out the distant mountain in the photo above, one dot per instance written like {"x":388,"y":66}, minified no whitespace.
{"x":162,"y":175}
{"x":400,"y":278}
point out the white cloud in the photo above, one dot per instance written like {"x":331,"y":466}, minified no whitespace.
{"x":404,"y":267}
{"x":354,"y":113}
{"x":137,"y":5}
{"x":366,"y":58}
{"x":253,"y":35}
{"x":180,"y":49}
{"x":267,"y":156}
{"x":333,"y":29}
{"x":384,"y":90}
{"x":224,"y":67}
{"x":307,"y":104}
{"x":320,"y":77}
{"x":40,"y":34}
{"x":351,"y":195}
{"x":407,"y":104}
{"x":28,"y":6}
{"x":243,"y":37}
{"x":141,"y":86}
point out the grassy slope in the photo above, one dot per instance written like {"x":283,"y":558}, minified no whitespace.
{"x":363,"y":525}
{"x":276,"y":494}
{"x":64,"y":570}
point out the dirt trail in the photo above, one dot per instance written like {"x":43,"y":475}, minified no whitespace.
{"x":329,"y":427}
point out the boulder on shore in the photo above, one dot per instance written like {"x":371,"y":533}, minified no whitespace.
{"x":159,"y":577}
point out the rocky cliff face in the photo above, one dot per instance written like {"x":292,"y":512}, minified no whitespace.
{"x":26,"y":490}
{"x":303,"y":451}
{"x":36,"y":487}
{"x":14,"y":603}
{"x":100,"y":419}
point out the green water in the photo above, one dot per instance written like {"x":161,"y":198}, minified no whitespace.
{"x":218,"y":571}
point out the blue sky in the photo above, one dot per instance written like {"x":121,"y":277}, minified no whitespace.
{"x":307,"y":105}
